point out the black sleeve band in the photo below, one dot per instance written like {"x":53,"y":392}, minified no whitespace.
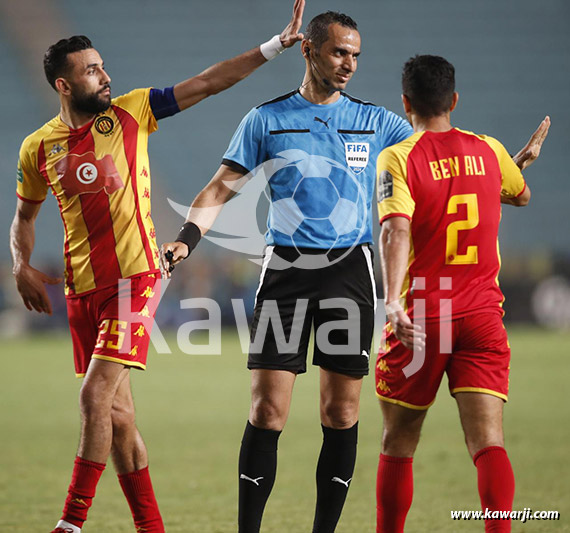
{"x":235,"y":166}
{"x":190,"y":235}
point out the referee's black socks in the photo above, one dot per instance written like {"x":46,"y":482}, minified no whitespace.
{"x":334,"y":475}
{"x":257,"y":467}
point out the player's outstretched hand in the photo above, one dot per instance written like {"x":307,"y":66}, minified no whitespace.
{"x":171,"y":253}
{"x":290,"y":35}
{"x":31,"y":286}
{"x":410,"y":335}
{"x":530,"y":152}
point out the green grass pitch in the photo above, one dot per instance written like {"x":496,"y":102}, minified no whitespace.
{"x":192,"y":410}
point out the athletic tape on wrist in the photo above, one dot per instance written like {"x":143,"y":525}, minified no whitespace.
{"x":393,"y":307}
{"x":271,"y":48}
{"x":190,"y":235}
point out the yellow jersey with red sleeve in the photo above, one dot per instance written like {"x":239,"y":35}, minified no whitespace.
{"x":449,"y":185}
{"x":100,"y":177}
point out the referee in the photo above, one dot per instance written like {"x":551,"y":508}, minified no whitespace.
{"x":323,"y":122}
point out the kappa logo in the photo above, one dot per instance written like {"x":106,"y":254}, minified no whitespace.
{"x":341,"y":481}
{"x":357,"y":155}
{"x":383,"y":366}
{"x":254,"y":481}
{"x":56,"y":149}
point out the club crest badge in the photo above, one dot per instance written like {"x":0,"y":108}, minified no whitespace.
{"x":105,"y":125}
{"x":356,"y":155}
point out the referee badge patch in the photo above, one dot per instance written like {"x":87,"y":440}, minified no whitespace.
{"x":385,"y":186}
{"x":356,"y":156}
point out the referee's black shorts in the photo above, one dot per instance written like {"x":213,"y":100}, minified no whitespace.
{"x":337,"y":301}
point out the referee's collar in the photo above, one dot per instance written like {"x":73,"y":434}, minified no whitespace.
{"x":300,"y":98}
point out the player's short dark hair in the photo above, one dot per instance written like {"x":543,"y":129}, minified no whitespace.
{"x":318,"y":29}
{"x":429,"y":83}
{"x":55,"y":58}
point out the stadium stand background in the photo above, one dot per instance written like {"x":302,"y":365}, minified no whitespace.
{"x":513,"y":67}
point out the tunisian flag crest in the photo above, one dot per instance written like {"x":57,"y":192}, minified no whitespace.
{"x":80,"y":174}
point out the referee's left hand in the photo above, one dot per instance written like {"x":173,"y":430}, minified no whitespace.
{"x":290,"y":35}
{"x":171,"y":253}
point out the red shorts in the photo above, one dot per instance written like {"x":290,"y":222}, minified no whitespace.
{"x":100,"y":331}
{"x":478,"y":362}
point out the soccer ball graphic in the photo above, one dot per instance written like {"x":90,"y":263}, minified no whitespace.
{"x":313,"y":200}
{"x":327,"y":204}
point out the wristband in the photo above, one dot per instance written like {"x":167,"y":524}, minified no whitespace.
{"x":271,"y":48}
{"x":190,"y":235}
{"x":393,"y":307}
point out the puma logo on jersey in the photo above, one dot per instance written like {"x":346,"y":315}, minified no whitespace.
{"x":254,"y":481}
{"x":338,"y":480}
{"x":317,"y":119}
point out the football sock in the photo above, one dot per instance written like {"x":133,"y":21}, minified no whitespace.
{"x":137,"y":487}
{"x":81,"y":490}
{"x":496,"y":483}
{"x":394,"y":493}
{"x":257,"y":468}
{"x":334,"y":473}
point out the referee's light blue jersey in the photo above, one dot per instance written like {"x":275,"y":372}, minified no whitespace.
{"x":321,"y":164}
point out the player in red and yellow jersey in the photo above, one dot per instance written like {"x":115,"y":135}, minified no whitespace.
{"x":93,"y":156}
{"x":440,"y":194}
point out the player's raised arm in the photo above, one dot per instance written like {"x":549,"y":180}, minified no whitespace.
{"x":530,"y":152}
{"x":29,"y":281}
{"x":201,"y":216}
{"x":223,"y":75}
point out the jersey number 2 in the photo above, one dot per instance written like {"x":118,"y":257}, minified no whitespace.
{"x":470,"y":257}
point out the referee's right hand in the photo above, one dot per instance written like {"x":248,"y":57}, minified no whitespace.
{"x":171,"y":253}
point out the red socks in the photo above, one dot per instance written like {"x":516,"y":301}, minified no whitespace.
{"x":140,"y":495}
{"x":81,"y":490}
{"x":395,"y":487}
{"x":136,"y":486}
{"x":394,"y":492}
{"x":496,"y":484}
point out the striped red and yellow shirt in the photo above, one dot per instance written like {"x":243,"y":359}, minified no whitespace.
{"x":100,"y":177}
{"x":449,"y":185}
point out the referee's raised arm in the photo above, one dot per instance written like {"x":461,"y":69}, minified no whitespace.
{"x":224,"y":74}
